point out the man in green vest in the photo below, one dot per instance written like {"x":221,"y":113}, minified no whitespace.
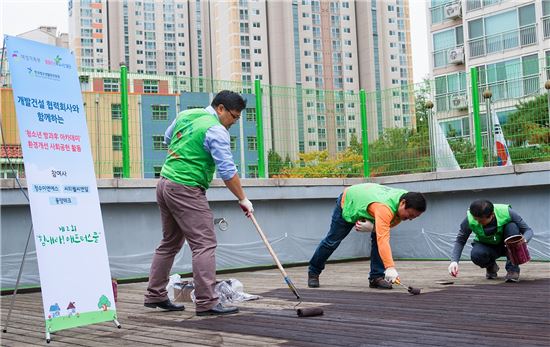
{"x":374,"y":208}
{"x":199,"y":143}
{"x":491,"y":225}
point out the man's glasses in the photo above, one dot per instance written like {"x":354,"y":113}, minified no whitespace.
{"x":232,"y":114}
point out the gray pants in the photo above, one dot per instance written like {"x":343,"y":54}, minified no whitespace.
{"x":185,"y":215}
{"x":484,"y":255}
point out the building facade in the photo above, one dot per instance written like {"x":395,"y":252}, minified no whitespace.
{"x":507,"y":41}
{"x":308,"y":45}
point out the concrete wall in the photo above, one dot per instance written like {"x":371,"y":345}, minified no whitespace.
{"x":295,"y":215}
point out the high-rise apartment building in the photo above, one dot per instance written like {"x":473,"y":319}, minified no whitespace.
{"x":308,"y":45}
{"x":506,"y":40}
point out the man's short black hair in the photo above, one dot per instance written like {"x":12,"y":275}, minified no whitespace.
{"x":414,"y":200}
{"x":481,"y":208}
{"x":230,"y":100}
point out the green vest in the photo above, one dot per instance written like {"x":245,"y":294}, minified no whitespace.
{"x":502,"y":214}
{"x":187,"y":162}
{"x":360,"y":196}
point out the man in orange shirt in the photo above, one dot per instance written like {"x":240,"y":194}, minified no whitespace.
{"x":369,"y":207}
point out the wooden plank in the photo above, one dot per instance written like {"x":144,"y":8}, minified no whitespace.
{"x":471,"y":312}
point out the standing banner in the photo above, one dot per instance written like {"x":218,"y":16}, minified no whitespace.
{"x":444,"y":157}
{"x":500,"y":149}
{"x":68,"y":228}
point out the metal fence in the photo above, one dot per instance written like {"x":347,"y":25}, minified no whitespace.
{"x":435,"y":125}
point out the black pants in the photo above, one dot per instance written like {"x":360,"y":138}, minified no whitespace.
{"x":484,"y":255}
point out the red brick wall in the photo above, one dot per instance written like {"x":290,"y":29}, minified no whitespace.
{"x":98,"y":84}
{"x":138,"y":86}
{"x":163,"y":87}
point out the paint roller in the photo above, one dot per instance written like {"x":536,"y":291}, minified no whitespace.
{"x":301,"y":312}
{"x":411,"y":290}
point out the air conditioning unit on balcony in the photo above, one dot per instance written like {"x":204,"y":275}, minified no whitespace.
{"x":453,"y":11}
{"x":456,"y":55}
{"x":459,"y":101}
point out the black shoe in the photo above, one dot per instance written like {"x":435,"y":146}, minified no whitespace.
{"x":219,"y":309}
{"x":312,"y":280}
{"x":165,"y":305}
{"x":491,"y":271}
{"x":379,"y":283}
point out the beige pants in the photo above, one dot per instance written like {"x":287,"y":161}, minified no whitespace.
{"x":185,"y":215}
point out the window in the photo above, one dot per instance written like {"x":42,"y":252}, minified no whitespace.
{"x":117,"y":171}
{"x":250,"y":114}
{"x":157,"y":169}
{"x":445,"y":40}
{"x":116,"y":112}
{"x":448,"y":86}
{"x":160,"y":112}
{"x":158,"y":143}
{"x":110,"y":84}
{"x":150,"y":86}
{"x":252,"y":143}
{"x":233,"y":142}
{"x":117,"y":142}
{"x":245,"y":41}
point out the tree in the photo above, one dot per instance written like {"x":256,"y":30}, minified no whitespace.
{"x":103,"y":303}
{"x":422,"y":94}
{"x":274,"y":162}
{"x":354,"y":145}
{"x":529,"y":123}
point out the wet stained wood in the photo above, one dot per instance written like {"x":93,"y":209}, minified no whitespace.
{"x":470,"y":312}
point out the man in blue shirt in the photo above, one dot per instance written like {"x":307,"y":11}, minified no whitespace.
{"x":199,"y":143}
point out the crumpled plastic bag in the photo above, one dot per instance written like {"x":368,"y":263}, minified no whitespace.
{"x":230,"y":291}
{"x":173,"y":280}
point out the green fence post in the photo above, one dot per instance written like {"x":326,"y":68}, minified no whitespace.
{"x":124,"y":110}
{"x":364,"y":132}
{"x":260,"y":130}
{"x":477,"y":123}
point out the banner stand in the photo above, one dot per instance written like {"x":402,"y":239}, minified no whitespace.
{"x":66,"y":217}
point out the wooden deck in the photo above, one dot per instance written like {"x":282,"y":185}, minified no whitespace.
{"x":471,"y":312}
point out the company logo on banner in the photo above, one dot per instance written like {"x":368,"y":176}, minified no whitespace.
{"x":68,"y":227}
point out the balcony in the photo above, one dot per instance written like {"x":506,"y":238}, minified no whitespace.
{"x":513,"y":88}
{"x":451,"y":101}
{"x":524,"y":36}
{"x":546,"y":26}
{"x":472,"y":5}
{"x":441,"y":57}
{"x":438,"y":12}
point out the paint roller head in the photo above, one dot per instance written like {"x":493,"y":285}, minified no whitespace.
{"x":414,"y":291}
{"x":309,"y":312}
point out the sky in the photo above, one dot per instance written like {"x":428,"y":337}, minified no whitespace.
{"x":19,"y":16}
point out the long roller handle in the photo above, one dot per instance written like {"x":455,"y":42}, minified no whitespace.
{"x":274,"y":256}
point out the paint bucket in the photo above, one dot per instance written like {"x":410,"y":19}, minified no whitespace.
{"x":517,"y":249}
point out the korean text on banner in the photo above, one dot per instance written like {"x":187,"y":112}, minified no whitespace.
{"x":68,"y":226}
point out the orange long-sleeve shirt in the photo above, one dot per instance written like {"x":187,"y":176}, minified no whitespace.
{"x":384,"y":219}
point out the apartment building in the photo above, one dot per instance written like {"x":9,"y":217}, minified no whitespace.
{"x":307,"y":45}
{"x":506,"y":40}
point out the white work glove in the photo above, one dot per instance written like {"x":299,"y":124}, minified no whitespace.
{"x":365,"y":226}
{"x":453,"y":269}
{"x":391,"y":275}
{"x":246,"y":206}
